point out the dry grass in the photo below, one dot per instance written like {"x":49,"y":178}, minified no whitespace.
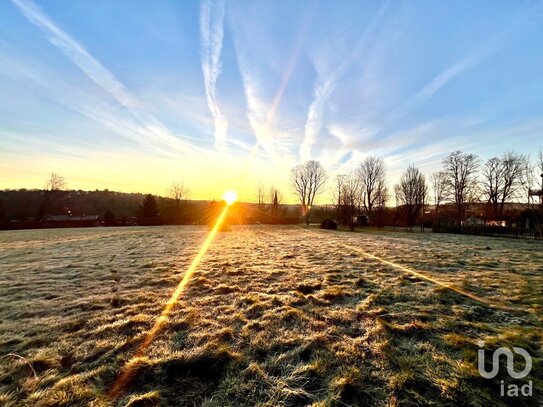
{"x":274,"y":316}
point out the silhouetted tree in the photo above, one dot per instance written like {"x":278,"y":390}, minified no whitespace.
{"x":381,"y":198}
{"x":439,"y":190}
{"x":503,"y":179}
{"x":411,"y":193}
{"x":178,"y":192}
{"x":308,"y":180}
{"x":539,"y":207}
{"x":149,"y":207}
{"x":276,"y":198}
{"x":350,"y":196}
{"x":54,"y":186}
{"x":461,"y":179}
{"x":260,"y":197}
{"x":109,"y":218}
{"x":55,"y":182}
{"x":372,"y":178}
{"x":341,"y":211}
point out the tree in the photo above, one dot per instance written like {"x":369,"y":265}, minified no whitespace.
{"x":538,"y":210}
{"x":461,"y":179}
{"x":439,"y":189}
{"x":260,"y":196}
{"x":372,"y":179}
{"x":178,"y":192}
{"x":341,"y":212}
{"x":275,"y":198}
{"x":503,"y":179}
{"x":109,"y":218}
{"x":381,"y":198}
{"x":55,"y":182}
{"x":149,"y":207}
{"x":411,"y":193}
{"x":52,"y":191}
{"x":307,"y":181}
{"x":350,"y":196}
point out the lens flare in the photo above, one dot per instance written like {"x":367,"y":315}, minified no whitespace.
{"x":128,"y":371}
{"x":230,"y":197}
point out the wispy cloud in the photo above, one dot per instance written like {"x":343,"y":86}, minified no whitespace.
{"x":431,"y":88}
{"x":326,"y":86}
{"x":477,"y":56}
{"x":259,"y":113}
{"x":212,"y":32}
{"x":94,"y":70}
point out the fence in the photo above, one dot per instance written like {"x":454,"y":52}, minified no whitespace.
{"x":515,"y":232}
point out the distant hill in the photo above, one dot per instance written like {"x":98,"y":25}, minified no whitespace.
{"x":24,"y":204}
{"x":40,"y":208}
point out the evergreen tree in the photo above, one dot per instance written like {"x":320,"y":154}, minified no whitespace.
{"x":149,"y":207}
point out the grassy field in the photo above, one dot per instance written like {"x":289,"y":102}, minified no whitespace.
{"x":273,"y":316}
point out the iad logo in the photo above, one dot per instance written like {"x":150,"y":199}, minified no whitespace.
{"x":512,"y":390}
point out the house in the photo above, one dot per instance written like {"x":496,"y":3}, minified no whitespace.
{"x":67,"y":221}
{"x":474,"y":222}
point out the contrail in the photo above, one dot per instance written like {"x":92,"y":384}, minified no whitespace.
{"x":212,"y":33}
{"x":148,"y":124}
{"x":262,"y":132}
{"x":128,"y":372}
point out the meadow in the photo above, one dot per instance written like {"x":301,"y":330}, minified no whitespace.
{"x":273,"y":316}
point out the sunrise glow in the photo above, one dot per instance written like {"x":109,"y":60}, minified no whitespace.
{"x":230,"y":197}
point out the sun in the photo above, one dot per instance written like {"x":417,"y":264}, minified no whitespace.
{"x":230,"y":197}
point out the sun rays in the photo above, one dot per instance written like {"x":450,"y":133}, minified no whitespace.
{"x":127,"y":373}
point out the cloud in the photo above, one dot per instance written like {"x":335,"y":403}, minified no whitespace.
{"x":259,"y":113}
{"x":482,"y":52}
{"x":148,"y":125}
{"x":431,"y":88}
{"x":326,"y":86}
{"x":212,"y":32}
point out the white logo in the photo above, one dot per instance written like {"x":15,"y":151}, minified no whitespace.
{"x":512,"y":389}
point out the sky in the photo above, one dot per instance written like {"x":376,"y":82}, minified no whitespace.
{"x":133,"y":95}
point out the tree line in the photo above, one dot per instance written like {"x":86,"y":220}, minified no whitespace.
{"x":57,"y":199}
{"x":463,"y":179}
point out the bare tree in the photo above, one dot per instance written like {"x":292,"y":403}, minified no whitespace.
{"x":537,"y":209}
{"x":461,"y":179}
{"x":55,"y":182}
{"x":381,"y":198}
{"x":308,"y":180}
{"x":54,"y":186}
{"x":350,"y":196}
{"x":338,"y":198}
{"x":503,"y":179}
{"x":411,"y":193}
{"x":540,"y":165}
{"x":260,"y":196}
{"x":439,"y":190}
{"x":275,"y":199}
{"x":178,"y":192}
{"x":493,"y":178}
{"x":372,"y":178}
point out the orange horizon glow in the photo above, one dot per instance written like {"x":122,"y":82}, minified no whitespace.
{"x":127,"y":373}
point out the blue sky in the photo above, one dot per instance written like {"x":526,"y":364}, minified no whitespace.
{"x":132,"y":95}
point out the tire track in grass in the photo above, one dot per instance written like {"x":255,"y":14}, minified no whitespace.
{"x":421,"y":275}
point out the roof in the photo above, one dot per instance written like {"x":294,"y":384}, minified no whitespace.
{"x":67,"y":218}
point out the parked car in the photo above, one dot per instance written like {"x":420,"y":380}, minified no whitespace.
{"x":329,"y":224}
